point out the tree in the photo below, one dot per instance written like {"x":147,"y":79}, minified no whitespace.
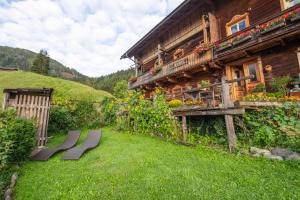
{"x":41,"y":64}
{"x":120,"y":89}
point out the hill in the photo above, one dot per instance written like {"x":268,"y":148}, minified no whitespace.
{"x":108,"y":82}
{"x":62,"y":88}
{"x":23,"y":59}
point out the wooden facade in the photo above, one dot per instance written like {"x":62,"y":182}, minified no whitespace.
{"x":31,"y":104}
{"x":204,"y":40}
{"x":229,"y":44}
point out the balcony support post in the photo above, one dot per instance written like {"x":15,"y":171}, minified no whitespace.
{"x":227,"y":102}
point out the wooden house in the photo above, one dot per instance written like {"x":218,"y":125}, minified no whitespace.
{"x":201,"y":41}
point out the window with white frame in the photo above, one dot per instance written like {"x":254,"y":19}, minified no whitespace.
{"x":237,"y":24}
{"x":289,"y":3}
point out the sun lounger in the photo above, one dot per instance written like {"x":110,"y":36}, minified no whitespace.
{"x":91,"y":142}
{"x":69,"y":142}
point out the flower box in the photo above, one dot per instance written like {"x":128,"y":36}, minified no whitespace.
{"x":241,"y":40}
{"x":295,"y":18}
{"x":224,"y":47}
{"x":272,"y":28}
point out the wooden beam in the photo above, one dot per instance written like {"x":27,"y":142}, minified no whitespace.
{"x":158,"y":84}
{"x":187,"y":75}
{"x":219,"y":112}
{"x":230,"y":132}
{"x":172,"y":80}
{"x":226,"y":94}
{"x":282,"y":42}
{"x":184,"y":129}
{"x":248,"y":53}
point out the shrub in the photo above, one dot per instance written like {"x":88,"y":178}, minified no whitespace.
{"x":74,"y":115}
{"x":259,"y":88}
{"x":268,"y":127}
{"x":175,"y":103}
{"x":60,"y":120}
{"x":17,"y":138}
{"x":109,"y":109}
{"x":279,"y":85}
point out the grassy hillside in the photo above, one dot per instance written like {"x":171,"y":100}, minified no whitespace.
{"x":62,"y":88}
{"x":23,"y":59}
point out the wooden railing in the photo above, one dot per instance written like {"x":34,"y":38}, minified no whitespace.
{"x":188,"y":62}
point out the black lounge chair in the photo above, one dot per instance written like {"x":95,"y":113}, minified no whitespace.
{"x":69,"y":142}
{"x":91,"y":142}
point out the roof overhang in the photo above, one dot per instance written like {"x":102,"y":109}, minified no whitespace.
{"x":180,"y":10}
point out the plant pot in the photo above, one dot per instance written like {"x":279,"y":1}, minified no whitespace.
{"x":237,"y":42}
{"x":224,"y":48}
{"x":275,"y":27}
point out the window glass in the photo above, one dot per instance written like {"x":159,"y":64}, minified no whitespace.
{"x":291,"y":3}
{"x":239,"y":26}
{"x":234,"y":28}
{"x":252,"y":71}
{"x":242,"y":25}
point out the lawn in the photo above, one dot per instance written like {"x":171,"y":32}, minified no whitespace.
{"x":139,"y":167}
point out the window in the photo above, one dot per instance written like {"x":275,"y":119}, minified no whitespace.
{"x":289,"y":3}
{"x":238,"y":23}
{"x":252,"y":67}
{"x":238,"y":26}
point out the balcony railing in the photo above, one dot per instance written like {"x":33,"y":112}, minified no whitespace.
{"x":279,"y":21}
{"x":186,"y":63}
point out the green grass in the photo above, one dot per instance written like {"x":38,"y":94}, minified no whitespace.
{"x":62,"y":88}
{"x":140,"y":167}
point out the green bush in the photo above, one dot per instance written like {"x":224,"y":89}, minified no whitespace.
{"x":60,"y":120}
{"x":74,"y":115}
{"x":17,"y":138}
{"x":269,"y":127}
{"x":109,"y":109}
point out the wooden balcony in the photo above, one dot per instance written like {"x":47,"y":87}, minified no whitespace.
{"x":265,"y":34}
{"x":187,"y":63}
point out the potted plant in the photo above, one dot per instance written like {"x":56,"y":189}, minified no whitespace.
{"x":204,"y":84}
{"x":259,"y":90}
{"x":242,"y":37}
{"x":271,"y":25}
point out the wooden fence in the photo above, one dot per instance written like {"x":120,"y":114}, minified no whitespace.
{"x":31,"y":104}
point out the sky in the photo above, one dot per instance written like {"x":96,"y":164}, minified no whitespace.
{"x":87,"y":35}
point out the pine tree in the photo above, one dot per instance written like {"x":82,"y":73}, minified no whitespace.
{"x":41,"y":64}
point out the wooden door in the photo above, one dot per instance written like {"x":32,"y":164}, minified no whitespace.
{"x":238,"y":87}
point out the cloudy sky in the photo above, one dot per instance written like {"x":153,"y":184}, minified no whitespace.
{"x":88,"y":35}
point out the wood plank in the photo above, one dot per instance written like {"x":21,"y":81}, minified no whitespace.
{"x":230,"y":132}
{"x":258,"y":104}
{"x":184,"y":128}
{"x":219,"y":112}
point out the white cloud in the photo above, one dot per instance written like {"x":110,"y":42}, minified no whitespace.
{"x":88,"y":35}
